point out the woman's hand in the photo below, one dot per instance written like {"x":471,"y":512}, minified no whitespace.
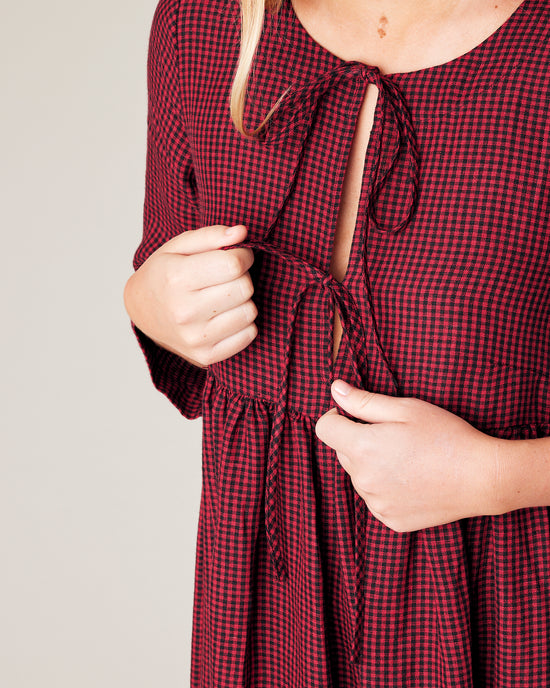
{"x":416,"y":465}
{"x":195,"y":299}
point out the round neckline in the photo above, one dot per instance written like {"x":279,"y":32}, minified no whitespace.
{"x":469,"y":55}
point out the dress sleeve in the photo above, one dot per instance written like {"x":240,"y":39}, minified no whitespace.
{"x":170,"y":205}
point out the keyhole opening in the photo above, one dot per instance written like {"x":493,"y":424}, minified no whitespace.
{"x":346,"y":223}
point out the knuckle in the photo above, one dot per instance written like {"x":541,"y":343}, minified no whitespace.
{"x":209,"y":358}
{"x":252,"y":331}
{"x":380,"y":509}
{"x":394,"y":524}
{"x":196,"y":338}
{"x":177,"y":277}
{"x":408,"y":406}
{"x":185,"y":313}
{"x":206,"y":356}
{"x":208,"y":234}
{"x":384,"y":512}
{"x":186,"y":342}
{"x":172,"y":279}
{"x":248,"y":258}
{"x":233,"y":264}
{"x":247,"y":287}
{"x":179,"y":282}
{"x":251,"y":311}
{"x":398,"y":527}
{"x":365,"y":399}
{"x":383,"y":509}
{"x":183,"y":316}
{"x":363,"y":484}
{"x":247,"y":336}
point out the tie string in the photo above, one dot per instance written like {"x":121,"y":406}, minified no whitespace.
{"x":296,"y":113}
{"x":354,"y":334}
{"x":299,"y":106}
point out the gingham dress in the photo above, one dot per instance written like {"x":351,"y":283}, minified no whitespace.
{"x":446,"y":298}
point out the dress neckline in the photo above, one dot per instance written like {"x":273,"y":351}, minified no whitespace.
{"x":478,"y":51}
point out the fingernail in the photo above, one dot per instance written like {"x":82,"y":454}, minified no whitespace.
{"x":341,"y":387}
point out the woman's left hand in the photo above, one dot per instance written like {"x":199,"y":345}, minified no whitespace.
{"x":416,"y":465}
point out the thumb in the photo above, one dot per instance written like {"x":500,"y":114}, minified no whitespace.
{"x":367,"y":406}
{"x":205,"y":239}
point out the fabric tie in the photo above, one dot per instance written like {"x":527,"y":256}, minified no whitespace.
{"x":295,"y":115}
{"x":354,"y":335}
{"x":299,"y":106}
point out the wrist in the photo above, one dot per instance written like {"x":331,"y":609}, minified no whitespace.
{"x":522,"y":474}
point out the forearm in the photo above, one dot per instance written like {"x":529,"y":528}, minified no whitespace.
{"x":523,"y":473}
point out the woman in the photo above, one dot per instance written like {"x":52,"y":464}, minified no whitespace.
{"x":357,"y":192}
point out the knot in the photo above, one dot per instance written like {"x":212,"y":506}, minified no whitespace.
{"x":394,"y":138}
{"x":327,"y":281}
{"x":299,"y":104}
{"x":393,"y":145}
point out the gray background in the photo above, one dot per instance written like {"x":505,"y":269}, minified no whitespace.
{"x":100,"y":475}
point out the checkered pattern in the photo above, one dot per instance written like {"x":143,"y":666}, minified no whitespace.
{"x":446,"y":298}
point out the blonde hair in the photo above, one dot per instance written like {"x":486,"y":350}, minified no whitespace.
{"x":252,"y":23}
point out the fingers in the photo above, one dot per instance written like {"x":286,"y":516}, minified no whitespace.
{"x":369,"y":406}
{"x":224,"y":335}
{"x":340,"y":433}
{"x":195,"y":299}
{"x":219,"y":321}
{"x":215,"y":267}
{"x":230,"y":323}
{"x":232,"y":345}
{"x":205,"y":239}
{"x":210,"y":302}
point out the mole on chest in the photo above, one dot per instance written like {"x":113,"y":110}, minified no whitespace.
{"x":382,"y":24}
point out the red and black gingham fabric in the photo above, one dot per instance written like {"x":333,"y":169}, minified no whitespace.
{"x":446,"y":298}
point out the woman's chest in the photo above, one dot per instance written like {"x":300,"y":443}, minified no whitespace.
{"x":476,"y":251}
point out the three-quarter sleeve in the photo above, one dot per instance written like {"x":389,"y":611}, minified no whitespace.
{"x":170,"y":205}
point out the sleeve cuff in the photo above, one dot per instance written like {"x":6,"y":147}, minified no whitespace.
{"x":176,"y":378}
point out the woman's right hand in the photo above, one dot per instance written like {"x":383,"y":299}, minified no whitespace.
{"x":195,"y":299}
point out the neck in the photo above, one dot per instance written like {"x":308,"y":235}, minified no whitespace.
{"x":395,"y":15}
{"x":402,"y":35}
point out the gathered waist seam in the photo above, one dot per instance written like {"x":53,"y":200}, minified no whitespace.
{"x":271,"y":403}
